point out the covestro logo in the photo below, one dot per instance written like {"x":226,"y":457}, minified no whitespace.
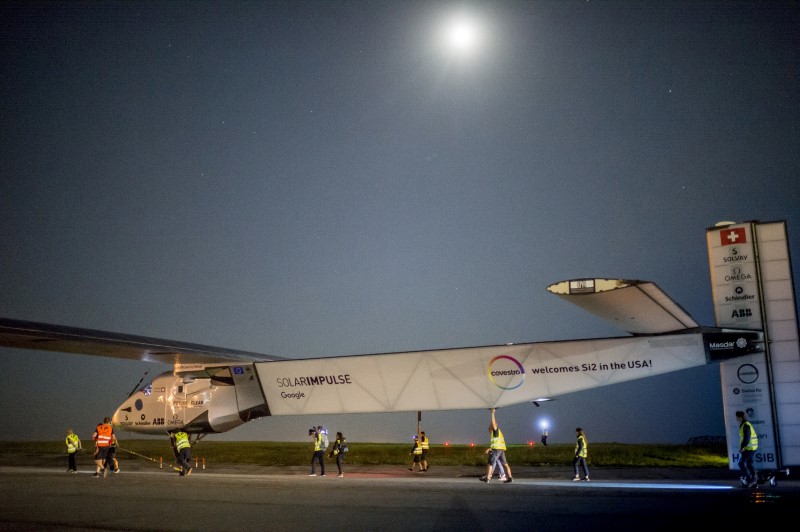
{"x":506,"y":372}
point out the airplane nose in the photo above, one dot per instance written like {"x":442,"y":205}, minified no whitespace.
{"x":120,"y":415}
{"x":116,"y":418}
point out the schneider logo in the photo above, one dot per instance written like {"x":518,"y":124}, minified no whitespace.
{"x":506,"y":372}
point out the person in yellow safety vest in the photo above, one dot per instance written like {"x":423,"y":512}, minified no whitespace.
{"x":581,"y":452}
{"x":416,"y":450}
{"x":183,"y":451}
{"x":748,"y":443}
{"x":425,"y":447}
{"x":73,"y":446}
{"x":498,"y":453}
{"x":319,"y":451}
{"x":103,"y":435}
{"x":339,"y":450}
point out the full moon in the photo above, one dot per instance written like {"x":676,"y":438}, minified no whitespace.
{"x":462,"y":35}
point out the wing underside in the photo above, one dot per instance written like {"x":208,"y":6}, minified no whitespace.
{"x":47,"y":337}
{"x":637,"y":307}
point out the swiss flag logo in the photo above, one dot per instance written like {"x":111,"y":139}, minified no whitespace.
{"x":732,"y":236}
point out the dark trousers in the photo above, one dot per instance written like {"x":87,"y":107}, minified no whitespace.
{"x":72,"y":466}
{"x":339,"y":458}
{"x":320,"y":457}
{"x":110,"y":457}
{"x":580,"y":460}
{"x":746,"y":465}
{"x":185,"y":458}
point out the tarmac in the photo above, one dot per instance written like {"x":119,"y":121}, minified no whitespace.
{"x":711,"y":475}
{"x":38,"y":494}
{"x":723,"y":476}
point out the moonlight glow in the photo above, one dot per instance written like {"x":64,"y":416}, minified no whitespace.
{"x":462,"y":35}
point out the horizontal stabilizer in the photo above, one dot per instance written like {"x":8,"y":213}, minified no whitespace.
{"x":637,"y":307}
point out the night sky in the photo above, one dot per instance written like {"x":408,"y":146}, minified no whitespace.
{"x":320,"y":178}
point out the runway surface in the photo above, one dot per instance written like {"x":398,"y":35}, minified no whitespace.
{"x":145,"y":497}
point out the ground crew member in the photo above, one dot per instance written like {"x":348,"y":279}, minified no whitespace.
{"x":319,"y":451}
{"x":73,"y":446}
{"x":498,"y":447}
{"x":425,"y":446}
{"x":103,"y":435}
{"x":581,"y":452}
{"x":183,"y":452}
{"x":111,"y":457}
{"x":340,"y":448}
{"x":416,"y":450}
{"x":748,"y":443}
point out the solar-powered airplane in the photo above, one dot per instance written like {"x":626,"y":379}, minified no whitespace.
{"x":213,"y":390}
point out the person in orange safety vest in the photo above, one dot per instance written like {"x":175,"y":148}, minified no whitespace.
{"x":103,"y":436}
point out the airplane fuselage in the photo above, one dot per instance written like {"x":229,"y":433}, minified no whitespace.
{"x":198,"y":403}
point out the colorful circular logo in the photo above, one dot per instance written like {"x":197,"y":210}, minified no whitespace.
{"x":506,"y":372}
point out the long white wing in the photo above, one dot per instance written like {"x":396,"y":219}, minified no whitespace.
{"x":47,"y":337}
{"x":483,"y":377}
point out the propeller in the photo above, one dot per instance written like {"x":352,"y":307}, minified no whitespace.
{"x":138,"y":383}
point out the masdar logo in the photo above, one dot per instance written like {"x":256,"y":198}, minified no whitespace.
{"x":506,"y":372}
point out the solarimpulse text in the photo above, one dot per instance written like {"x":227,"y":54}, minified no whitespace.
{"x":316,"y":380}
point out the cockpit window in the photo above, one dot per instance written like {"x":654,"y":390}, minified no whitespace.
{"x":147,"y":389}
{"x":221,"y":376}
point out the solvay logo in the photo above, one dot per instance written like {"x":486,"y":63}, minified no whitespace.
{"x":506,"y":372}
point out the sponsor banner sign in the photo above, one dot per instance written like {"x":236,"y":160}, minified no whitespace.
{"x":736,"y":292}
{"x":745,"y":387}
{"x":724,"y":345}
{"x":734,"y":281}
